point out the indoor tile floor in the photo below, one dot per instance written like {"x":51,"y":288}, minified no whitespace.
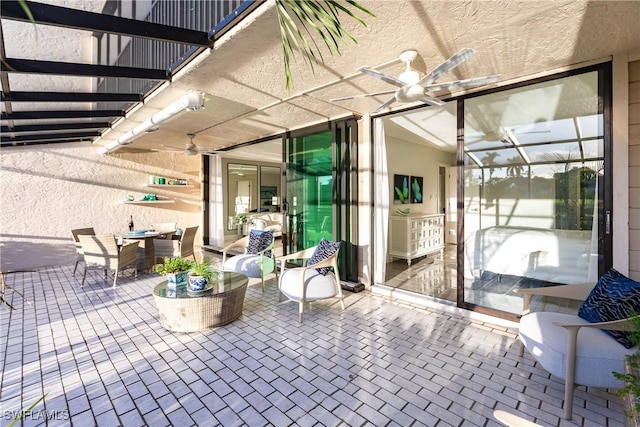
{"x":100,"y":357}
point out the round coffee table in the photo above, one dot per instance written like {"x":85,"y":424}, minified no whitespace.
{"x":184,"y":311}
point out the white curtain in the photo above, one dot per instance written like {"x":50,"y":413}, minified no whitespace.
{"x":381,"y":201}
{"x":217,"y":220}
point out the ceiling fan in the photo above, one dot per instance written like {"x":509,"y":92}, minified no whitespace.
{"x":506,"y":135}
{"x":190,"y":149}
{"x":413,"y":87}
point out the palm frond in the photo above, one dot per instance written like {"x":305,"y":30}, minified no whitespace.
{"x":27,"y":11}
{"x":320,"y":18}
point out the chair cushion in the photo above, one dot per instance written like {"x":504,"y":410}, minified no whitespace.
{"x":317,"y":286}
{"x":247,"y":264}
{"x":597,"y":353}
{"x":259,"y":240}
{"x":614,"y":297}
{"x":324,"y":250}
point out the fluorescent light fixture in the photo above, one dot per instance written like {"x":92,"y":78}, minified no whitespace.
{"x":191,"y":101}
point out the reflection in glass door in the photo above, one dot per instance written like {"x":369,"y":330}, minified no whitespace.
{"x":534,"y":199}
{"x":320,"y":197}
{"x":309,"y":190}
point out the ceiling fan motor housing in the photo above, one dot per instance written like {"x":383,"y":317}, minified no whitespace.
{"x":410,"y":93}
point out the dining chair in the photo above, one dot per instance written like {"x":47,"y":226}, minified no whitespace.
{"x":167,"y":228}
{"x":314,"y":280}
{"x":102,"y":252}
{"x":77,"y":232}
{"x":176,"y":248}
{"x":257,"y":257}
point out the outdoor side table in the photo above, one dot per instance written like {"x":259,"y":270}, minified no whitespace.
{"x":181,"y":310}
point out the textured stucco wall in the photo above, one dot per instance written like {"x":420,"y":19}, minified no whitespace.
{"x":46,"y":192}
{"x":634,"y":170}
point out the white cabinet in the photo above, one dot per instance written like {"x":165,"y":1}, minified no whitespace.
{"x":416,"y":235}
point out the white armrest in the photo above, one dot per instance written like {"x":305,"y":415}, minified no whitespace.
{"x":303,"y":254}
{"x":614,"y":325}
{"x":241,"y":243}
{"x":578,"y":292}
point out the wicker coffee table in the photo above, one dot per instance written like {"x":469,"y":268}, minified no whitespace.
{"x":184,"y":311}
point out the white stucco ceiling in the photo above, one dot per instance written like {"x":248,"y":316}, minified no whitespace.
{"x":243,"y":76}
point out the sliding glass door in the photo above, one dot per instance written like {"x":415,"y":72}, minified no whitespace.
{"x":533,"y":185}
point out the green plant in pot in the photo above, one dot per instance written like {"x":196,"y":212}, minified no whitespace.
{"x":200,"y":275}
{"x":175,"y":269}
{"x":631,"y":378}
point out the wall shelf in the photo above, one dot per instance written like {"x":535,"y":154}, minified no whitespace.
{"x":169,"y":185}
{"x":147,"y":202}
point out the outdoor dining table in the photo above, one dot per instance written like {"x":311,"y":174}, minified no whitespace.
{"x":146,"y":251}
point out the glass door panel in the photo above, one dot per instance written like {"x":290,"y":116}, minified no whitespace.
{"x":309,"y":190}
{"x":533,"y":189}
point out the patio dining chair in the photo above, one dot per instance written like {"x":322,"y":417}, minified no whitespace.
{"x":102,"y":252}
{"x":79,"y":254}
{"x":176,"y":248}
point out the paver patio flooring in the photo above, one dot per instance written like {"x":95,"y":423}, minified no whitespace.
{"x":102,"y":358}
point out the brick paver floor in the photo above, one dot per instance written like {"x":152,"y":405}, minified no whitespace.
{"x":101,"y":357}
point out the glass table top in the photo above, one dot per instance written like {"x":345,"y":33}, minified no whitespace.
{"x":225,"y":282}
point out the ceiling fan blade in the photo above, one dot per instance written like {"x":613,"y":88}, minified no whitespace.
{"x":366,"y":95}
{"x":385,"y":105}
{"x":432,"y":101}
{"x":448,"y":65}
{"x":459,"y":84}
{"x":382,"y":76}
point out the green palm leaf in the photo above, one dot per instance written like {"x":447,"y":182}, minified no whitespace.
{"x":320,"y":18}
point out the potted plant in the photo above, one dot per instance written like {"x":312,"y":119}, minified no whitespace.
{"x":200,"y":275}
{"x":631,"y":378}
{"x":175,"y":269}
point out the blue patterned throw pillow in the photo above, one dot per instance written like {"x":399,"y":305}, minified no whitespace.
{"x":614,"y":297}
{"x":324,"y":250}
{"x":259,"y":240}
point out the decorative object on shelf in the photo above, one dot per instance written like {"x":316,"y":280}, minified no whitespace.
{"x":129,"y":198}
{"x":152,"y":179}
{"x":403,"y":212}
{"x":401,"y":189}
{"x":416,"y":189}
{"x":162,"y":181}
{"x":176,"y":270}
{"x":201,"y":275}
{"x":149,"y":197}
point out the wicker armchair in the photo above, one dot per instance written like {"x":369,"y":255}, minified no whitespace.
{"x":77,"y":232}
{"x":176,"y":248}
{"x":102,"y":253}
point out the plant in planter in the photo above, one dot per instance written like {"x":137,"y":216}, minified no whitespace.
{"x":175,"y":269}
{"x":631,"y":378}
{"x":200,"y":275}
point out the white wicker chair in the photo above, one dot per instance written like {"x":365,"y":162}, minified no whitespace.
{"x":306,"y":284}
{"x":102,"y":253}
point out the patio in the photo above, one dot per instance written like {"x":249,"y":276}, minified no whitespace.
{"x":102,"y":358}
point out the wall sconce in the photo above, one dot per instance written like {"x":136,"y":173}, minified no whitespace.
{"x":191,"y":101}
